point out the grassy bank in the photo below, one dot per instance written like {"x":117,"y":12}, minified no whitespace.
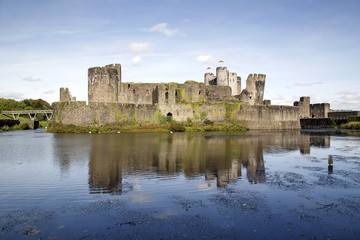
{"x":351,"y":125}
{"x":168,"y":127}
{"x":21,"y":126}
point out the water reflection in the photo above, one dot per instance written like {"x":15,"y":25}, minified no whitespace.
{"x":216,"y":157}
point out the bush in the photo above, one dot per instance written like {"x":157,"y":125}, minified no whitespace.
{"x":24,"y":126}
{"x":177,"y":127}
{"x":208,"y":122}
{"x":351,"y":125}
{"x":5,"y":128}
{"x":331,"y":122}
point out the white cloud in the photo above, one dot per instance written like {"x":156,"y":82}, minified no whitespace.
{"x":306,"y":84}
{"x":135,"y":61}
{"x":49,"y":92}
{"x":206,"y":59}
{"x":141,"y":47}
{"x":348,"y":99}
{"x":31,"y":79}
{"x":163,"y":28}
{"x":14,"y":95}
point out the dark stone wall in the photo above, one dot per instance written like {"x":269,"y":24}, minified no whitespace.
{"x":315,"y":123}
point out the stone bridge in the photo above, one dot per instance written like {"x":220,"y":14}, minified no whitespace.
{"x":31,"y":113}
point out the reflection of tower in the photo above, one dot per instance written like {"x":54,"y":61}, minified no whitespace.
{"x":320,"y":141}
{"x":105,"y":166}
{"x":255,"y":171}
{"x":221,"y":160}
{"x":224,"y":177}
{"x":252,"y":159}
{"x":305,"y":144}
{"x":166,"y":157}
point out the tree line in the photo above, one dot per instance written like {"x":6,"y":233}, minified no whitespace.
{"x":26,"y":104}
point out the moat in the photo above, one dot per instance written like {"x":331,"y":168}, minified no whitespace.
{"x":252,"y":185}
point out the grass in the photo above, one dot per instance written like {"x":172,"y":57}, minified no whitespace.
{"x":42,"y":124}
{"x":172,"y":126}
{"x":351,"y":125}
{"x":2,"y":116}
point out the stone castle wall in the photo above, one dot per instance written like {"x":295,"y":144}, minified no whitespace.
{"x":319,"y":110}
{"x":172,"y":93}
{"x":253,"y":117}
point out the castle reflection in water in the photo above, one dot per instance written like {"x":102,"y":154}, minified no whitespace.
{"x":214,"y":156}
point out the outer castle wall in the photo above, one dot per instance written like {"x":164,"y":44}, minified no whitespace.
{"x":253,"y":117}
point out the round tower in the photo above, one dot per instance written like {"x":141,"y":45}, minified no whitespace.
{"x":222,"y":76}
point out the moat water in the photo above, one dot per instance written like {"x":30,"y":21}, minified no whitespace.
{"x":258,"y":185}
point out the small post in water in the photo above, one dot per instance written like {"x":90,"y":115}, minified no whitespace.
{"x":330,"y":164}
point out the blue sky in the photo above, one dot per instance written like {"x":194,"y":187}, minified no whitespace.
{"x":305,"y":47}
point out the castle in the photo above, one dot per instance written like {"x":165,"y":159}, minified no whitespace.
{"x":105,"y":85}
{"x":219,"y":99}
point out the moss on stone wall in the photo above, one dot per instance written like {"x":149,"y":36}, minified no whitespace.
{"x":134,"y":116}
{"x":94,"y":121}
{"x":203,"y":116}
{"x":118,"y":115}
{"x":159,"y":118}
{"x":192,"y":82}
{"x":126,"y":118}
{"x":231,"y":110}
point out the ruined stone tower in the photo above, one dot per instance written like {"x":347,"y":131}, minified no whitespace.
{"x":104,"y":83}
{"x":254,"y":91}
{"x":210,"y":79}
{"x":65,"y":95}
{"x":222,"y":76}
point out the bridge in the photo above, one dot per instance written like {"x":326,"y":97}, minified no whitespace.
{"x":31,"y":113}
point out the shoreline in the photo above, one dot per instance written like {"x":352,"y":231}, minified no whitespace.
{"x":168,"y":127}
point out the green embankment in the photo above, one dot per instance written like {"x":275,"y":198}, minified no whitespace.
{"x":351,"y":125}
{"x":2,"y":116}
{"x":167,"y":127}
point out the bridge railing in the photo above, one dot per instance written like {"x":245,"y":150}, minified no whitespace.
{"x":32,"y":113}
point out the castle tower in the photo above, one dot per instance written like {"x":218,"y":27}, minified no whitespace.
{"x":254,"y":91}
{"x":222,"y":76}
{"x":103,"y":83}
{"x":65,"y":95}
{"x":233,"y":83}
{"x":238,"y":85}
{"x":304,"y":105}
{"x":209,"y":79}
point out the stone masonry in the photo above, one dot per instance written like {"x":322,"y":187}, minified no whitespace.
{"x":219,"y":99}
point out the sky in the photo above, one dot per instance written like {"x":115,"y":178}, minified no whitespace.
{"x":305,"y":47}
